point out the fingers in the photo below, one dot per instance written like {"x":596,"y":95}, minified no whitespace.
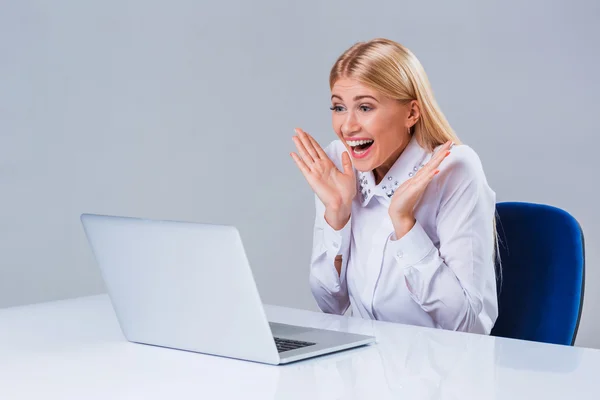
{"x":301,"y":165}
{"x":347,"y":164}
{"x":432,"y":174}
{"x":439,"y":156}
{"x":318,"y":148}
{"x":411,"y":190}
{"x":435,"y":161}
{"x":417,"y":184}
{"x":306,"y":157}
{"x":308,"y":145}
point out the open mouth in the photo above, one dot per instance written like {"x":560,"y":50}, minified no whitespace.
{"x":360,"y":148}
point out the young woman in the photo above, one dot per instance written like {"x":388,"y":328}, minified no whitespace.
{"x":405,"y":219}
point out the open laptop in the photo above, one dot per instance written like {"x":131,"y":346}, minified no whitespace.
{"x":189,"y":286}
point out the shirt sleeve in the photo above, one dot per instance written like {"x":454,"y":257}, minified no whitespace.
{"x":329,"y":288}
{"x":453,"y":283}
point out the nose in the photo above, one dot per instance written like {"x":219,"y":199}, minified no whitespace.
{"x":350,"y":124}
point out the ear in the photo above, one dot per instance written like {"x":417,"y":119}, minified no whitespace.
{"x":414,"y":112}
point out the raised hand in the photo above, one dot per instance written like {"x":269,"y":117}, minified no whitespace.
{"x":405,"y":198}
{"x":336,"y":189}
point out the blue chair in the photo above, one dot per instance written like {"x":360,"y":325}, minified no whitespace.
{"x":541,"y":283}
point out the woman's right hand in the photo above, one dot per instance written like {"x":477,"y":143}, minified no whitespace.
{"x":336,"y":189}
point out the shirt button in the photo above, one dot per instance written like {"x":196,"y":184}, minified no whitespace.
{"x":336,"y":245}
{"x":400,"y":254}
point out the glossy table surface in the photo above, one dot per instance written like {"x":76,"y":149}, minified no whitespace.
{"x":74,"y":349}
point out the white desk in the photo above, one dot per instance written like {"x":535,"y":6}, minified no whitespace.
{"x":74,"y":349}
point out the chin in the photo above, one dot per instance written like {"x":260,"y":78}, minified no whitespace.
{"x":363,"y":165}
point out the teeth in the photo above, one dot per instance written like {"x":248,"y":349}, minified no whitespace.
{"x":354,"y":143}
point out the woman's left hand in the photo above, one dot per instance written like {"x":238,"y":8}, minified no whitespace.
{"x":405,"y":198}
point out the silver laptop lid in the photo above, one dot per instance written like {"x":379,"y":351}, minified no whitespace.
{"x":181,"y":285}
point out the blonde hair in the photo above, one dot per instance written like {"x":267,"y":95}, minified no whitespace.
{"x":393,"y":70}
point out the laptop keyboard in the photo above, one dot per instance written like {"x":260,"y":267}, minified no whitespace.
{"x":287,"y":344}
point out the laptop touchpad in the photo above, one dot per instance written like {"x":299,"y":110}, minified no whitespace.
{"x":288,"y":330}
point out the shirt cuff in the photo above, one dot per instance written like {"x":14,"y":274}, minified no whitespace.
{"x":337,"y":242}
{"x":412,"y":247}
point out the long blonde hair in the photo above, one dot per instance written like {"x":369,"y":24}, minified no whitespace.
{"x":393,"y":70}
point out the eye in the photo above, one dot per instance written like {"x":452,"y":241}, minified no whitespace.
{"x":336,"y":108}
{"x":365,"y":108}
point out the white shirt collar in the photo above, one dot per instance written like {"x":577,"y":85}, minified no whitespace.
{"x":410,"y":161}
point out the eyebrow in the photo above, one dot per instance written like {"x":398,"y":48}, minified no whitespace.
{"x":356,"y":98}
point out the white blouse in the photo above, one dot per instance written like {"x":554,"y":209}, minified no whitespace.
{"x":441,"y":274}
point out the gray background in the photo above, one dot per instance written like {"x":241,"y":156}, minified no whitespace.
{"x":185,"y":110}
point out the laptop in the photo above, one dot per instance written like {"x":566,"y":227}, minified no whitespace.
{"x":189,"y":286}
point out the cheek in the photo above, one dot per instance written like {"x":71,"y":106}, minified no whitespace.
{"x":336,"y":122}
{"x":372,"y":121}
{"x":380,"y":127}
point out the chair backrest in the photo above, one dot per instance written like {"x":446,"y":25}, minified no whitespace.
{"x":542,"y":281}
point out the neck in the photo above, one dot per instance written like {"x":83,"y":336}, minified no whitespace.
{"x":380,"y":172}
